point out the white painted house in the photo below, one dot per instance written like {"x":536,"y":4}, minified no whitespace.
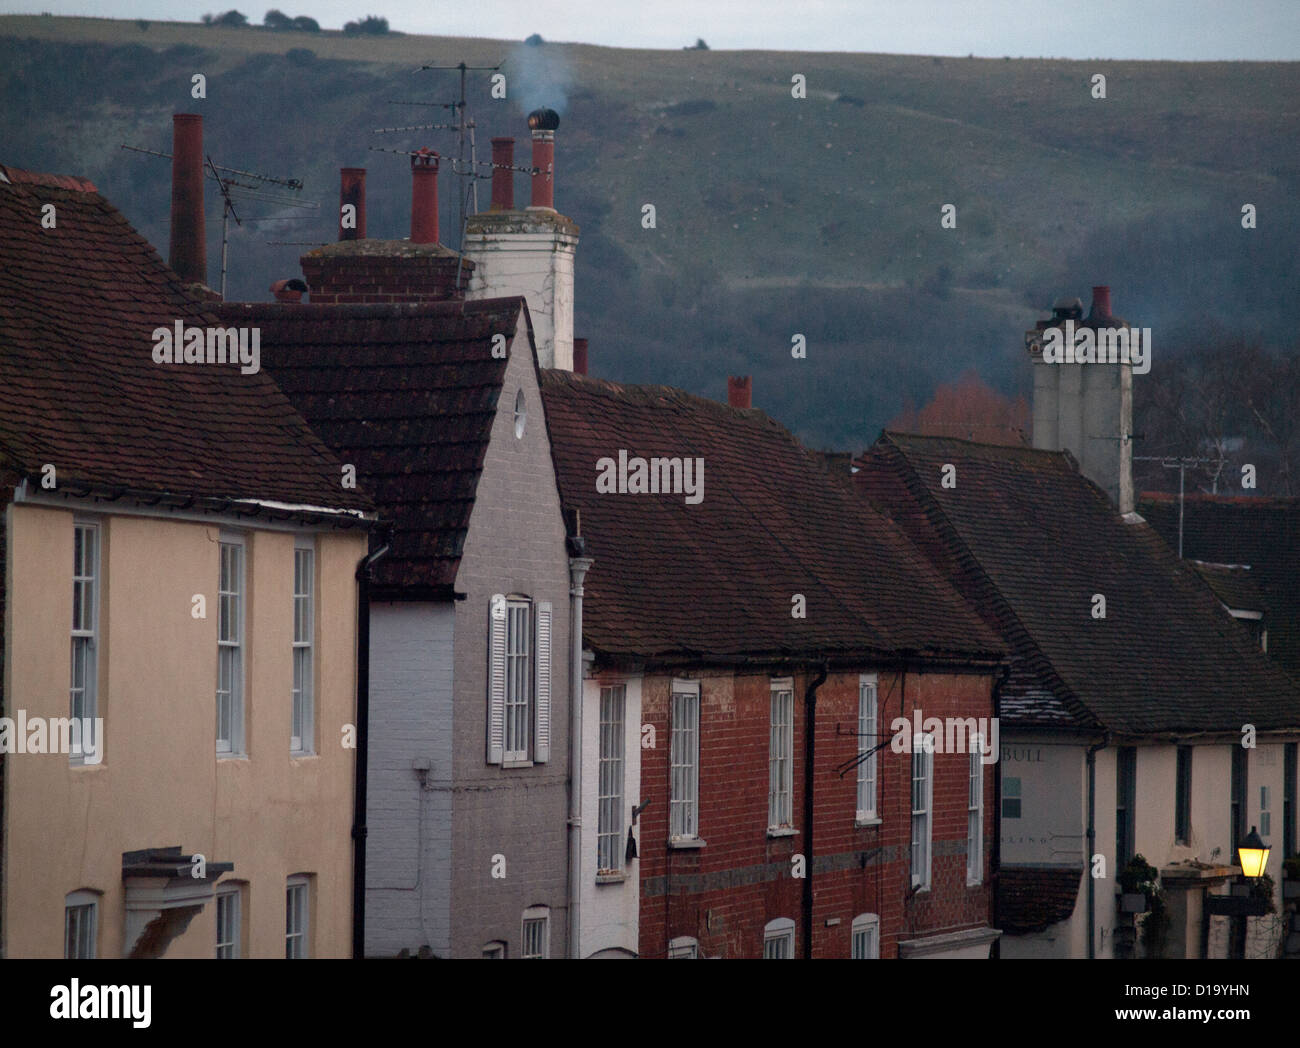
{"x":1133,"y":687}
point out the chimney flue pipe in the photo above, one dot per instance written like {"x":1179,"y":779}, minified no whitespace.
{"x":424,"y":197}
{"x":352,"y":190}
{"x":1101,"y":303}
{"x":740,"y":390}
{"x":543,"y":123}
{"x":503,"y":178}
{"x":189,"y":245}
{"x":579,"y":356}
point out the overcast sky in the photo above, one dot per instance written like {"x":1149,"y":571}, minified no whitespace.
{"x":1153,"y":29}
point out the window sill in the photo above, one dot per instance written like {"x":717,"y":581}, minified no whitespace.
{"x":781,"y":831}
{"x":861,"y":823}
{"x":232,"y":756}
{"x":516,"y":764}
{"x":300,"y":754}
{"x":611,"y":878}
{"x":686,"y":843}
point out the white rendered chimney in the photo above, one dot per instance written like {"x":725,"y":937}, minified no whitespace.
{"x":529,"y":251}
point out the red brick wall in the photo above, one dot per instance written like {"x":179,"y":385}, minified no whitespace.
{"x":724,"y":893}
{"x":340,"y":279}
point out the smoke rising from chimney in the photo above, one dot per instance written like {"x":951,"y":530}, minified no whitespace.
{"x":539,"y":77}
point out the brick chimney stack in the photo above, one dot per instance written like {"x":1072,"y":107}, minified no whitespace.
{"x":352,"y":190}
{"x":424,"y":197}
{"x":740,"y":391}
{"x":188,"y":254}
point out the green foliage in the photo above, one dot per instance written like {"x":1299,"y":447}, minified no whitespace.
{"x":231,"y":19}
{"x":371,"y":25}
{"x":142,"y":24}
{"x":276,"y":19}
{"x":306,"y":25}
{"x":535,"y":40}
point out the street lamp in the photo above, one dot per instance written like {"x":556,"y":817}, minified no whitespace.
{"x":1253,"y":853}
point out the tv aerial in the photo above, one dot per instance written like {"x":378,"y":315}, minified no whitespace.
{"x":236,"y":184}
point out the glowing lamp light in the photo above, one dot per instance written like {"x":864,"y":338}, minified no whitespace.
{"x":1253,"y":854}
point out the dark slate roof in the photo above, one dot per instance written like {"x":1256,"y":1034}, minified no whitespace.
{"x":1031,"y":898}
{"x":1233,"y":584}
{"x":715,"y":580}
{"x":79,"y":387}
{"x":407,"y":394}
{"x":1030,"y":540}
{"x":1261,"y":532}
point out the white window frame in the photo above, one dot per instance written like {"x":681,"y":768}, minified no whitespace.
{"x":519,"y":680}
{"x":535,"y":946}
{"x":864,"y":945}
{"x":83,"y":700}
{"x":230,"y":924}
{"x":611,"y":768}
{"x":81,"y":920}
{"x":684,"y":761}
{"x":868,"y":719}
{"x":302,"y":724}
{"x":778,"y":939}
{"x":922,"y":810}
{"x":780,"y":758}
{"x":494,"y":951}
{"x":230,"y":643}
{"x":683,"y":948}
{"x":297,"y":919}
{"x":975,"y":813}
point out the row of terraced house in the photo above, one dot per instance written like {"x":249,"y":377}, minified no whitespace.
{"x":412,"y":639}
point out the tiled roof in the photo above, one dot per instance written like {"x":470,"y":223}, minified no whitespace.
{"x":79,"y":388}
{"x":1233,"y":584}
{"x":1261,"y":532}
{"x":716,"y":579}
{"x":407,"y":394}
{"x":1031,"y":898}
{"x":1030,"y":541}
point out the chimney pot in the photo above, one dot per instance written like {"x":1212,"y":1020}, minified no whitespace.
{"x":352,"y":190}
{"x":740,"y":391}
{"x":189,"y":249}
{"x":579,"y":356}
{"x":424,"y":197}
{"x":289,"y":290}
{"x":503,"y":178}
{"x":543,"y":157}
{"x":1101,"y":303}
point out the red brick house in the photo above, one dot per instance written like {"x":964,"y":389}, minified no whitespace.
{"x":723,"y":618}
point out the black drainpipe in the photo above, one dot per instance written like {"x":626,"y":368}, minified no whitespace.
{"x":809,"y":757}
{"x":364,"y":567}
{"x":997,"y":811}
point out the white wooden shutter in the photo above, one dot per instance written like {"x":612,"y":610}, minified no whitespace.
{"x":542,"y":748}
{"x":496,"y":723}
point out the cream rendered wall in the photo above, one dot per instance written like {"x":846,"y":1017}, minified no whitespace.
{"x":610,"y":910}
{"x":160,"y":782}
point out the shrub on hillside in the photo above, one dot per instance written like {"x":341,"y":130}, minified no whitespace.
{"x":230,"y":18}
{"x":371,"y":25}
{"x":306,"y":25}
{"x":535,"y":40}
{"x":277,"y":20}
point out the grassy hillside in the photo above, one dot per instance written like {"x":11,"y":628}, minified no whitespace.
{"x":774,"y":215}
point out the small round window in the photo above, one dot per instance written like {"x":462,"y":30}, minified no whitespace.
{"x":521,"y":414}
